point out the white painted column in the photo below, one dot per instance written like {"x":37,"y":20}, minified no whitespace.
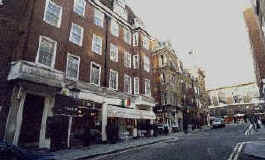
{"x":69,"y":131}
{"x":104,"y":116}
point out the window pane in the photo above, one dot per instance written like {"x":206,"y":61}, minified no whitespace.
{"x":46,"y":52}
{"x":52,"y":15}
{"x":73,"y":67}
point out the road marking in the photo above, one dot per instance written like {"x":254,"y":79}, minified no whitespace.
{"x":247,"y":132}
{"x":237,"y":150}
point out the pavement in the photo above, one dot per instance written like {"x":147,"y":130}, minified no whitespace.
{"x":106,"y":149}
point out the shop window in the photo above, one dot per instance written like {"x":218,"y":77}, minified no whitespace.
{"x":95,"y":74}
{"x":97,"y":44}
{"x":98,"y":18}
{"x":53,"y":14}
{"x":79,"y":7}
{"x":46,"y":52}
{"x":136,"y":85}
{"x":113,"y":81}
{"x":127,"y":84}
{"x":76,"y":34}
{"x":72,"y":69}
{"x":127,"y":59}
{"x":114,"y":53}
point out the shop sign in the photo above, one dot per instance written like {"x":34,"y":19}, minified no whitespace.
{"x":38,"y":72}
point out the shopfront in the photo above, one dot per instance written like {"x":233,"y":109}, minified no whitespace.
{"x":83,"y":118}
{"x":129,"y":120}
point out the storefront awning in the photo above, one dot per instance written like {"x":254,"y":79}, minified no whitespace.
{"x":114,"y":111}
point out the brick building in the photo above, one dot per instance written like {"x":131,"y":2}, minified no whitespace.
{"x":167,"y":71}
{"x":254,"y":18}
{"x":75,"y":62}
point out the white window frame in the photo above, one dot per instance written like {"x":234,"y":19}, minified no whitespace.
{"x":93,"y":43}
{"x":60,"y":15}
{"x":146,"y":42}
{"x":71,"y":39}
{"x":76,"y":5}
{"x":115,"y":29}
{"x":136,"y":79}
{"x":66,"y":72}
{"x":145,"y":87}
{"x":136,"y":65}
{"x":135,"y":39}
{"x":127,"y":57}
{"x":127,"y":39}
{"x":93,"y":63}
{"x":117,"y":81}
{"x":130,"y":84}
{"x":54,"y":52}
{"x":114,"y":49}
{"x":147,"y":59}
{"x":100,"y":15}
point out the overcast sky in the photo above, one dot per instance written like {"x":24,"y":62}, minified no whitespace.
{"x":214,"y":28}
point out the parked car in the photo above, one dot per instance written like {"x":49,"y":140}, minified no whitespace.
{"x":12,"y":152}
{"x":218,"y":122}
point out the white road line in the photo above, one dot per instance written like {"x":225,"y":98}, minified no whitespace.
{"x":247,"y":132}
{"x":238,"y":151}
{"x":234,"y":151}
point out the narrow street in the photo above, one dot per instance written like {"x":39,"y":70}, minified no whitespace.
{"x":211,"y":144}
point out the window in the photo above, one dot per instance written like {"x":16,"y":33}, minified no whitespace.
{"x":146,"y":64}
{"x":135,"y":61}
{"x":1,"y":3}
{"x":76,"y":34}
{"x":98,"y":18}
{"x":114,"y":53}
{"x":46,"y":52}
{"x":145,"y":42}
{"x":53,"y":14}
{"x":135,"y":39}
{"x":79,"y":7}
{"x":127,"y":84}
{"x":127,"y":59}
{"x":113,"y":79}
{"x":127,"y":36}
{"x":114,"y":28}
{"x":72,"y":67}
{"x":136,"y":85}
{"x":97,"y":44}
{"x":95,"y":72}
{"x":147,"y":87}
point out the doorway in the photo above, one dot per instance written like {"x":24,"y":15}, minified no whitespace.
{"x":31,"y":121}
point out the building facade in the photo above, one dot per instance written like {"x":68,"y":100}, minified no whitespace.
{"x":74,"y":64}
{"x":254,"y":18}
{"x":167,"y":73}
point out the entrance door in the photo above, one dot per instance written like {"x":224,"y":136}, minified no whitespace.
{"x":31,"y":121}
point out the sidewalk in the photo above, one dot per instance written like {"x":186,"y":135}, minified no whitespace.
{"x":104,"y":149}
{"x":256,"y":148}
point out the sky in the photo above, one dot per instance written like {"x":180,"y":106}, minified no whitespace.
{"x":215,"y":29}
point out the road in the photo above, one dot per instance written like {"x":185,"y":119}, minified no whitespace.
{"x":213,"y":144}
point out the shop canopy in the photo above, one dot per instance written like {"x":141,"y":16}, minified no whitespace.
{"x":114,"y":111}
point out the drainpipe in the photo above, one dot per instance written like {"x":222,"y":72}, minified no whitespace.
{"x":106,"y":50}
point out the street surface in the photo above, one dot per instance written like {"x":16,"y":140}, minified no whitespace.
{"x":214,"y":144}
